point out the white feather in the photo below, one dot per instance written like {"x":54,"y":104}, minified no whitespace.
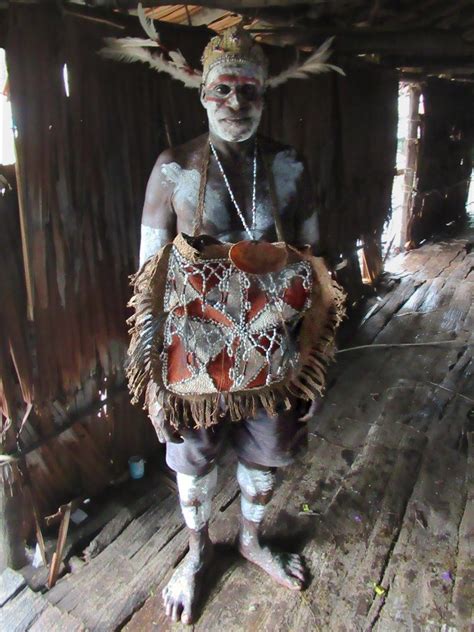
{"x":131,"y":42}
{"x":314,"y":65}
{"x":147,"y":24}
{"x":124,"y":50}
{"x":178,"y":58}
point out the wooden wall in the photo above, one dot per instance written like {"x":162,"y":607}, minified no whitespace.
{"x":83,"y":163}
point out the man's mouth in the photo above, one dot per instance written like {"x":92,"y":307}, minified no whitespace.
{"x":236,"y":119}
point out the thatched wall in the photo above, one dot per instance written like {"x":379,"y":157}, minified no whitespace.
{"x":346,"y":128}
{"x":444,"y":159}
{"x":82,"y":170}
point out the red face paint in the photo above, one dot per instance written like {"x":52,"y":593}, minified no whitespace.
{"x":234,"y":80}
{"x":233,"y":100}
{"x":244,"y":87}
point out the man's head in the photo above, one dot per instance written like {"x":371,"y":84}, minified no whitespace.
{"x":235,"y":71}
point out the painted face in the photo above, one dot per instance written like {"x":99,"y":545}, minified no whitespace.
{"x":233,"y":98}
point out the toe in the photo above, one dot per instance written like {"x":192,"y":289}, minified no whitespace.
{"x":299,"y":573}
{"x":186,"y":617}
{"x":176,"y":611}
{"x":293,"y":583}
{"x":296,"y":564}
{"x":297,"y":569}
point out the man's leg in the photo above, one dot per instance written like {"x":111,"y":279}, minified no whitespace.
{"x":256,"y":486}
{"x":182,"y":592}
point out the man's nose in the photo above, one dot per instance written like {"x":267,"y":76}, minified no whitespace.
{"x":236,"y":99}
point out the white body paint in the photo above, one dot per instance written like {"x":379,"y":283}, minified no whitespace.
{"x":151,"y":241}
{"x":254,"y":482}
{"x":287,"y":169}
{"x":195,"y":494}
{"x":310,"y":230}
{"x":220,"y":125}
{"x":252,"y":511}
{"x":186,"y":183}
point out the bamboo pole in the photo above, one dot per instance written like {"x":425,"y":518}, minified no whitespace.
{"x":412,"y":145}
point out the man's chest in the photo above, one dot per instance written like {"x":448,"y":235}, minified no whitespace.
{"x":241,"y":205}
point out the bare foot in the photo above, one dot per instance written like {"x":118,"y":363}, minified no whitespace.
{"x":285,"y":568}
{"x":182,"y":592}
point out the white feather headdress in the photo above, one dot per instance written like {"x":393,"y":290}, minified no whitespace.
{"x":314,"y":65}
{"x":153,"y":53}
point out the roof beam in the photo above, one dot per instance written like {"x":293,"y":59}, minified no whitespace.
{"x":423,"y":43}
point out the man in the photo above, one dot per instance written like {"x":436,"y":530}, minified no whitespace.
{"x":246,"y":175}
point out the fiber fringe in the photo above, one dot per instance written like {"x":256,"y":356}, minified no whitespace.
{"x":143,"y":368}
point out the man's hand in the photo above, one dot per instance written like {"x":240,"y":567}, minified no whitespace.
{"x":164,"y":430}
{"x":312,"y":410}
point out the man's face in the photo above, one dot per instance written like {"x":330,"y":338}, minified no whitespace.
{"x":233,"y":98}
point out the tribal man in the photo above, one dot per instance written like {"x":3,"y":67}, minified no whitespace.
{"x":245,"y":178}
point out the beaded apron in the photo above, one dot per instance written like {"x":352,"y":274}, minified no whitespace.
{"x":227,"y":330}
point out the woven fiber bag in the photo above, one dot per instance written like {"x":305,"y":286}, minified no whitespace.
{"x":239,"y":327}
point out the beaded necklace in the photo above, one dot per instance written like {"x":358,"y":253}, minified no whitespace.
{"x":250,"y":231}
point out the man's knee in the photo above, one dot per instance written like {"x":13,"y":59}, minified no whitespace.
{"x":195,"y":495}
{"x":256,"y":483}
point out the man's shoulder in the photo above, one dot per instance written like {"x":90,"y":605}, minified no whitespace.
{"x":186,"y":155}
{"x":274,"y":148}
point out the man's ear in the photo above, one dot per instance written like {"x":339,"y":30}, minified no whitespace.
{"x":202,"y":95}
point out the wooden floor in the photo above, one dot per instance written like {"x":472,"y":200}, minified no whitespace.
{"x":381,"y":507}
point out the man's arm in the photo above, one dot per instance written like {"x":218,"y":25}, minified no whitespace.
{"x":158,"y":228}
{"x":158,"y":218}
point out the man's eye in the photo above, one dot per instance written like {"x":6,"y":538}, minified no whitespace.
{"x":222,"y":89}
{"x":249,"y":91}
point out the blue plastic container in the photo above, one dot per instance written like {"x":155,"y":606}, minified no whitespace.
{"x":136,"y":467}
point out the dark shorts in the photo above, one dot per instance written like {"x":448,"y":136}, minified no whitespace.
{"x":265,"y":441}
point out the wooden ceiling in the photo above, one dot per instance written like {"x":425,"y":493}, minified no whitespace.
{"x":195,"y":15}
{"x":426,"y":37}
{"x":418,"y":38}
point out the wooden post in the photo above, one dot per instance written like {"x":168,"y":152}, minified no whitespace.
{"x":12,"y":545}
{"x":412,"y":161}
{"x":65,"y":511}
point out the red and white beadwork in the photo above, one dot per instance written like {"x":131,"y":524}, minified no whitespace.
{"x":227,"y":330}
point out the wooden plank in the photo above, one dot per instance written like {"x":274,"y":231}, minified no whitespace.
{"x":22,"y":611}
{"x":11,"y":582}
{"x":397,"y":300}
{"x":58,"y":554}
{"x":122,"y":519}
{"x":132,"y":565}
{"x":462,"y":595}
{"x":53,"y":620}
{"x":421,"y":570}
